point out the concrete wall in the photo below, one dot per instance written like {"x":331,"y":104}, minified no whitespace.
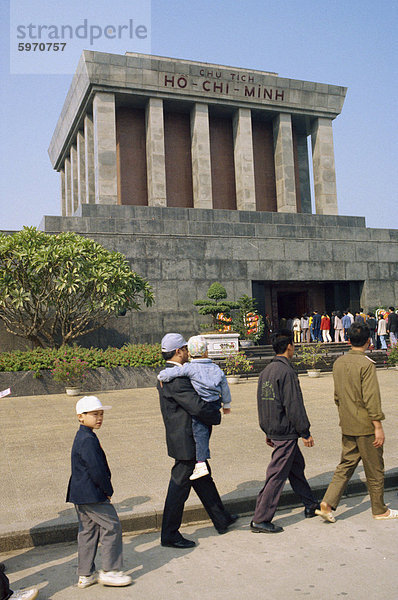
{"x":182,"y":251}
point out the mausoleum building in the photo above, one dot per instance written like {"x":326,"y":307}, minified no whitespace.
{"x":199,"y":173}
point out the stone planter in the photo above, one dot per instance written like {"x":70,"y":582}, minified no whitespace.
{"x":73,"y":391}
{"x":314,"y":372}
{"x":220,"y":344}
{"x":232,"y":379}
{"x":246,"y":343}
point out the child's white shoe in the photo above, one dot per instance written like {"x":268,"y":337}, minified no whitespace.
{"x":87,"y":581}
{"x":200,"y":470}
{"x":114,"y":578}
{"x":25,"y":594}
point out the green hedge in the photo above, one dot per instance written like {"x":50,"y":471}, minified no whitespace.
{"x":138,"y":355}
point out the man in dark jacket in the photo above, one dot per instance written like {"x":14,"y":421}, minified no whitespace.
{"x":392,"y":326}
{"x":283,"y":419}
{"x":179,"y":403}
{"x":316,"y":325}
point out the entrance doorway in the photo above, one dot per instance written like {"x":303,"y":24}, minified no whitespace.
{"x":292,"y":304}
{"x":289,"y":299}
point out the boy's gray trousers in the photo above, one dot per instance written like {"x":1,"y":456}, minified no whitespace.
{"x":98,"y":523}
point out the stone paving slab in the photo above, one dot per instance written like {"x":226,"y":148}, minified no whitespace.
{"x":36,"y":434}
{"x":353,"y":559}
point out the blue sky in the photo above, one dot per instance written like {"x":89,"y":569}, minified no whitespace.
{"x":344,"y":42}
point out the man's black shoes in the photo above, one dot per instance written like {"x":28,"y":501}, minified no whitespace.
{"x":183,"y":543}
{"x":232,"y":519}
{"x":265,"y":527}
{"x":310,"y":512}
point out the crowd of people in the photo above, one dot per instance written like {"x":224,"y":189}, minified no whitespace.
{"x":320,"y":327}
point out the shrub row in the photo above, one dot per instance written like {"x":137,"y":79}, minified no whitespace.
{"x":137,"y":355}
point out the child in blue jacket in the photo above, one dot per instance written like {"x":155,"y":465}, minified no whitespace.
{"x":90,"y":490}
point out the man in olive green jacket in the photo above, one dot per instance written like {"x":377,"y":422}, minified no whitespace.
{"x":357,"y":395}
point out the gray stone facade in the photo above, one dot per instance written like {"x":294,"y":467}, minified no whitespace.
{"x":182,"y":251}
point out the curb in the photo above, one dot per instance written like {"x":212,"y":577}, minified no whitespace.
{"x":151,"y":521}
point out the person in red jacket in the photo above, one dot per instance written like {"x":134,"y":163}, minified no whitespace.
{"x":325,"y":327}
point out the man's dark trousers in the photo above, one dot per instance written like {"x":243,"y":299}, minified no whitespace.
{"x":177,"y":494}
{"x":287,"y":462}
{"x":5,"y":591}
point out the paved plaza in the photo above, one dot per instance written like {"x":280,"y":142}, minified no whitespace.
{"x":354,"y":559}
{"x":36,"y":435}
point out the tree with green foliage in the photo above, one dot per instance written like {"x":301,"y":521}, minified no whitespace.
{"x":56,"y":288}
{"x":216,"y":304}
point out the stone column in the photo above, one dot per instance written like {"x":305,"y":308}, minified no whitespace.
{"x":68,"y":187}
{"x":63,"y":197}
{"x":73,"y":170}
{"x":105,"y":171}
{"x":200,"y":152}
{"x":155,"y":154}
{"x":323,"y":167}
{"x":284,"y":164}
{"x":81,"y":168}
{"x":89,"y":159}
{"x":244,"y":160}
{"x":304,"y":173}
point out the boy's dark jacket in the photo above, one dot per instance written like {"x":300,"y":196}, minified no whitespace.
{"x":281,"y":410}
{"x":90,"y":481}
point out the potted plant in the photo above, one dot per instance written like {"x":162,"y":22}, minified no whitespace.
{"x":220,"y":338}
{"x":71,"y":372}
{"x":216,"y":305}
{"x":247,"y":322}
{"x":392,"y":357}
{"x":311,"y":355}
{"x":236,"y":364}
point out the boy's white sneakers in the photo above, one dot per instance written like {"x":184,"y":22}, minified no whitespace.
{"x":87,"y":581}
{"x":114,"y":578}
{"x":200,"y":470}
{"x":30,"y":594}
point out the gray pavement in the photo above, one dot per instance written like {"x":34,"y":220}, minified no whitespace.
{"x":354,"y":559}
{"x":36,"y":435}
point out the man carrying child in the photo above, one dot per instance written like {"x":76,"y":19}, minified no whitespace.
{"x":211,"y":384}
{"x":179,"y":403}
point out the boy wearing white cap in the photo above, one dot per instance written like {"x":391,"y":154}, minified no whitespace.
{"x":90,"y":490}
{"x":210,"y":383}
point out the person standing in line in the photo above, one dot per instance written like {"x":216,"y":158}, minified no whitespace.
{"x":358,"y":317}
{"x":179,"y":403}
{"x":338,"y":328}
{"x":392,"y":326}
{"x":357,"y":396}
{"x":305,"y":329}
{"x":296,"y":330}
{"x":382,"y":332}
{"x":316,"y":324}
{"x":325,"y":328}
{"x":372,"y":324}
{"x":311,"y":326}
{"x":283,"y":418}
{"x":351,"y":316}
{"x":346,"y":322}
